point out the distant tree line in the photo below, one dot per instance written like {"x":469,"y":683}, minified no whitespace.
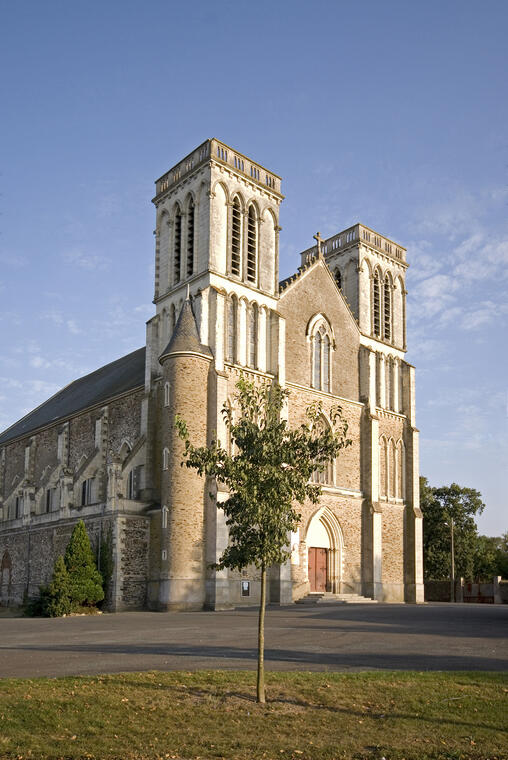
{"x":476,"y":557}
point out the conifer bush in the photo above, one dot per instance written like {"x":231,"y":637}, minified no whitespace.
{"x":56,"y":597}
{"x":85,"y":581}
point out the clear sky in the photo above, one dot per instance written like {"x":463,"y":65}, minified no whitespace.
{"x":389,"y":113}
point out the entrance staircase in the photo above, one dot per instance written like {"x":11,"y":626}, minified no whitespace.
{"x":326,"y":597}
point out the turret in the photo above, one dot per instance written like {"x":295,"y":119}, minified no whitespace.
{"x":186,"y":365}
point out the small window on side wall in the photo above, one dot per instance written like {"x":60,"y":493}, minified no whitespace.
{"x":165,"y":459}
{"x":87,"y":492}
{"x":166,"y":394}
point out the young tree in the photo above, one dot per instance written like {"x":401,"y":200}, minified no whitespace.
{"x":268,"y":470}
{"x":439,"y":506}
{"x":85,"y":579}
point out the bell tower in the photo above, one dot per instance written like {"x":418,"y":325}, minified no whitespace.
{"x":217,"y":231}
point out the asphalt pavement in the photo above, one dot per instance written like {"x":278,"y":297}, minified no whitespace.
{"x":325,"y":638}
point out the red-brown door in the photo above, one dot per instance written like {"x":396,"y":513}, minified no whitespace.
{"x":317,"y":568}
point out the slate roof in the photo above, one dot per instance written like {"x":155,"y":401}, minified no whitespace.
{"x":115,"y":378}
{"x":185,"y":335}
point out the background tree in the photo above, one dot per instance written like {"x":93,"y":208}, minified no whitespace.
{"x":438,"y":506}
{"x":85,"y":579}
{"x":491,"y":556}
{"x":268,"y":470}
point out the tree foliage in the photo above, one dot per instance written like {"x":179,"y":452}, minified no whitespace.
{"x":268,"y":470}
{"x":85,"y":579}
{"x":57,"y":601}
{"x":439,"y":506}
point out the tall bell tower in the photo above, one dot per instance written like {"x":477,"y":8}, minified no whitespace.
{"x":217,"y":268}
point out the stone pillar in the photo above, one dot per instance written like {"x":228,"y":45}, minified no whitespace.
{"x":116,"y":576}
{"x":220,"y":321}
{"x":413,"y":549}
{"x":395,"y":385}
{"x":241,"y":351}
{"x":382,"y":380}
{"x":372,"y":516}
{"x":498,"y":599}
{"x":281,"y":351}
{"x":280,"y":584}
{"x":262,"y":339}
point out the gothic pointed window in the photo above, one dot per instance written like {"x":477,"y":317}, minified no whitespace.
{"x":231,"y":329}
{"x":190,"y":238}
{"x":387,"y":310}
{"x":338,"y":278}
{"x":326,"y":476}
{"x":252,"y":324}
{"x":389,"y":383}
{"x":177,"y":247}
{"x":320,"y":357}
{"x":236,"y":237}
{"x":252,"y":244}
{"x":317,"y":361}
{"x":376,"y":310}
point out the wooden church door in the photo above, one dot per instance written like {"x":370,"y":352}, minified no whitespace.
{"x":317,"y":568}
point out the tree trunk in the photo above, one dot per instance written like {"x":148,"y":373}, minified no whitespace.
{"x":260,"y":692}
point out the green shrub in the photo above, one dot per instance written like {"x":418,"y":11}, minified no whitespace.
{"x":57,"y":595}
{"x":85,"y":581}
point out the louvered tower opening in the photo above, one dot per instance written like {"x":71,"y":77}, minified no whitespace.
{"x":236,"y":237}
{"x":178,"y":247}
{"x":190,"y":238}
{"x":251,"y":245}
{"x":377,"y":306}
{"x":387,"y":310}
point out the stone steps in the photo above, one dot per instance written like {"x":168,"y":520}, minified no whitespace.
{"x":329,"y":598}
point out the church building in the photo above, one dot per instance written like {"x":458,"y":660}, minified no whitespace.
{"x":104,"y":449}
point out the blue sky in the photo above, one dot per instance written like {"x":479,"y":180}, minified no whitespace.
{"x":393,"y":114}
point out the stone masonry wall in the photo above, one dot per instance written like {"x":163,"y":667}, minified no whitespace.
{"x":316,"y":292}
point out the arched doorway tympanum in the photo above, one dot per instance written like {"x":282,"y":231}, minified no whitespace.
{"x":325,"y":546}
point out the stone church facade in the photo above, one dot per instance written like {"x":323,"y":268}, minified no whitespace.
{"x":104,"y":449}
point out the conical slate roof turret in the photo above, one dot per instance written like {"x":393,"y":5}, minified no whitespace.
{"x":185,"y":338}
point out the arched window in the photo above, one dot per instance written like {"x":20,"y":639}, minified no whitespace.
{"x":164,"y":517}
{"x":321,"y":345}
{"x":325,"y":477}
{"x":338,"y":278}
{"x":376,"y":310}
{"x":252,"y":244}
{"x":166,"y":394}
{"x":252,"y":326}
{"x":236,"y":237}
{"x":316,"y":377}
{"x":389,"y":383}
{"x":391,"y":469}
{"x":165,"y":459}
{"x":387,"y":309}
{"x":172,"y":319}
{"x":177,"y":246}
{"x":383,"y":461}
{"x":190,"y":238}
{"x":231,"y":329}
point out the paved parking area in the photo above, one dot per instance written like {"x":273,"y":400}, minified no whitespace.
{"x":331,"y":637}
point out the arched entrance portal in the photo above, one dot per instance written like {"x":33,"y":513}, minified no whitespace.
{"x":325,"y":547}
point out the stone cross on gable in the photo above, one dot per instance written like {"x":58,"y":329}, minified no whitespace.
{"x":319,"y":241}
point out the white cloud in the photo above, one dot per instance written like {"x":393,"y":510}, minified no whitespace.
{"x":85,"y":260}
{"x":72,"y":327}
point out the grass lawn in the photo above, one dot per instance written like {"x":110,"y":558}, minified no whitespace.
{"x":213,"y":715}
